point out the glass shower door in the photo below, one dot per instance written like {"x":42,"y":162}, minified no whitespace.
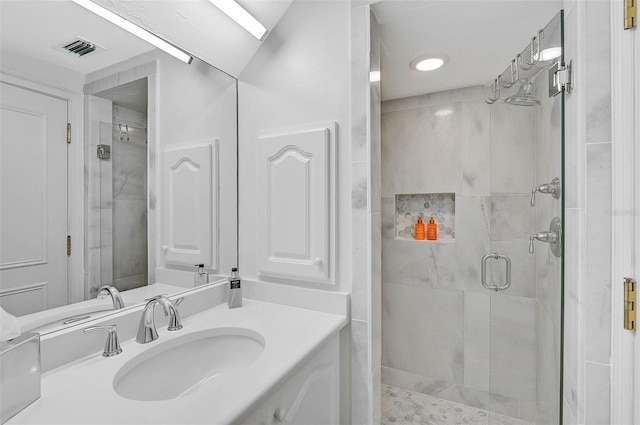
{"x":524,"y":267}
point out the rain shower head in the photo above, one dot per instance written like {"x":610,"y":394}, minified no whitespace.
{"x":525,"y":96}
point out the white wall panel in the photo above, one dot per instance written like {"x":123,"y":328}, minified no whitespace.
{"x":293,"y":182}
{"x":191,"y":205}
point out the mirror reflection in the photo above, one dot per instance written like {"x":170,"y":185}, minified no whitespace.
{"x":145,"y":188}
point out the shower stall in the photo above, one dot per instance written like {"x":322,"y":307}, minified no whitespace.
{"x":117,"y":165}
{"x":472,"y":322}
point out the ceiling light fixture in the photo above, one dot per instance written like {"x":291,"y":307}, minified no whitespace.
{"x":551,"y":53}
{"x":443,"y":112}
{"x":427,"y":62}
{"x":135,"y":30}
{"x":242,"y":17}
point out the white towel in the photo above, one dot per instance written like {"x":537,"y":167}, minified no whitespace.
{"x":9,"y":326}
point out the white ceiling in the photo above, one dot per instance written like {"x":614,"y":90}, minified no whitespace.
{"x":132,"y":95}
{"x":202,"y":29}
{"x":479,"y":37}
{"x":37,"y":28}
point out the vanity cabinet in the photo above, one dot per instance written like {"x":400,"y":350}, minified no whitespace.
{"x":311,"y":394}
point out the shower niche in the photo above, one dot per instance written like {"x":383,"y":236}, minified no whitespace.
{"x":440,"y":206}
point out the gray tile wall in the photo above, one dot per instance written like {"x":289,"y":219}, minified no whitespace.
{"x":366,"y":392}
{"x":129,"y":199}
{"x":587,"y":344}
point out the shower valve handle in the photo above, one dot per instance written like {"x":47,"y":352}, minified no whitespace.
{"x":552,"y":188}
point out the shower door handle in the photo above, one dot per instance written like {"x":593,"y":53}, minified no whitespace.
{"x":483,"y":272}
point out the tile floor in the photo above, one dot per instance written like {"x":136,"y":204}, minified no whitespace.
{"x":400,"y":406}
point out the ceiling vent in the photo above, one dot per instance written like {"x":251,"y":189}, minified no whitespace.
{"x":80,"y":47}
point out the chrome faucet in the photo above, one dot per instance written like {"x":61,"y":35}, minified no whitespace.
{"x":115,"y":296}
{"x":147,"y":331}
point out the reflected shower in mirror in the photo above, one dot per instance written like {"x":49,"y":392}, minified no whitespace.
{"x":123,"y":188}
{"x":108,"y":208}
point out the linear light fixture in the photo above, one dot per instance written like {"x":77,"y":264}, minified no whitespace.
{"x":242,"y":17}
{"x":135,"y":30}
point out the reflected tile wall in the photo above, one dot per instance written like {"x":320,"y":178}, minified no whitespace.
{"x":129,"y":199}
{"x":99,"y":113}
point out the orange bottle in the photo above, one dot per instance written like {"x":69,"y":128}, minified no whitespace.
{"x":432,"y":230}
{"x":419,"y":229}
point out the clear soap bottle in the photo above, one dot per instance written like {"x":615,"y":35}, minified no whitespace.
{"x":201,"y":277}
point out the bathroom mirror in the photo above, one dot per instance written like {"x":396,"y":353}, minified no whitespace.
{"x":145,"y":189}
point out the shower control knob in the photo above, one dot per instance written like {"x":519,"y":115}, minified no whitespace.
{"x":552,"y":237}
{"x":552,"y":188}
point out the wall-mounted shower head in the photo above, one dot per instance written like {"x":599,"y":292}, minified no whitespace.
{"x":525,"y":96}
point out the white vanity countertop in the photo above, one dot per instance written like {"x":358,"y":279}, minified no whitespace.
{"x":82,"y":392}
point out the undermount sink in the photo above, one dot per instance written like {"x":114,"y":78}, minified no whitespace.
{"x":179,"y":366}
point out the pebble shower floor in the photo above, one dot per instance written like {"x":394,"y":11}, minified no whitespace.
{"x":400,"y":406}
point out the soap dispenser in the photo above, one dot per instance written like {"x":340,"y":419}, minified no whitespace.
{"x":235,"y":289}
{"x":201,"y":277}
{"x":432,"y":230}
{"x":419,"y":230}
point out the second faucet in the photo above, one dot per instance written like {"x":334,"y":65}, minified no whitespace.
{"x":147,"y":330}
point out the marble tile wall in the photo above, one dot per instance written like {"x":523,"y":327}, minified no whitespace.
{"x":106,"y":205}
{"x":366,"y":220}
{"x":437,"y":319}
{"x":99,"y":113}
{"x":587,"y":385}
{"x":129,"y":199}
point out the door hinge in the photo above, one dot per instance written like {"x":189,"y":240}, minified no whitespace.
{"x":629,"y":304}
{"x":560,"y":77}
{"x":68,"y":244}
{"x":68,"y":132}
{"x":630,"y":14}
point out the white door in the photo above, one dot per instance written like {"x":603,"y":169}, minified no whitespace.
{"x":33,"y":200}
{"x":625,"y":148}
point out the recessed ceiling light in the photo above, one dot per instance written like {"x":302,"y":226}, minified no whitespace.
{"x":427,"y":62}
{"x":443,"y":112}
{"x":551,"y":53}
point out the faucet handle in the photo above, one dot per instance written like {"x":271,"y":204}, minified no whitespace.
{"x":531,"y":249}
{"x":112,"y":346}
{"x":175,"y":323}
{"x":552,"y":188}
